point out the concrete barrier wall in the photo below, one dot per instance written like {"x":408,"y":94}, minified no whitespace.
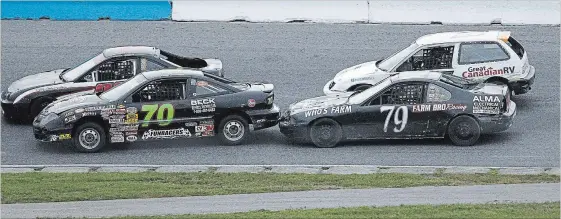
{"x":374,"y":11}
{"x":87,"y":10}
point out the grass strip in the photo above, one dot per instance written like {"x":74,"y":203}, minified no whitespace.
{"x":58,"y":187}
{"x":503,"y":210}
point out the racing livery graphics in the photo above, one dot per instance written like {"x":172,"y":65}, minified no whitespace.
{"x":164,"y":104}
{"x":410,"y":105}
{"x":26,"y":97}
{"x":485,"y":57}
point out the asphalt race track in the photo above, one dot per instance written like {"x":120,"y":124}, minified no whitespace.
{"x":299,"y":59}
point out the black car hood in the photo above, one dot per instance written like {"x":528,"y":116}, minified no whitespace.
{"x":60,"y":106}
{"x":36,"y":80}
{"x":320,"y":102}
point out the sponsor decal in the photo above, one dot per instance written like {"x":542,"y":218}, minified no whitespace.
{"x":88,"y":113}
{"x":121,"y":106}
{"x":120,"y":111}
{"x":438,"y":107}
{"x":117,"y":138}
{"x":64,"y":136}
{"x":332,"y":110}
{"x":71,"y":118}
{"x":117,"y":116}
{"x":203,"y":105}
{"x":189,"y":124}
{"x":132,"y":110}
{"x":132,"y":118}
{"x":53,"y":138}
{"x":251,"y":103}
{"x":362,"y":79}
{"x":166,"y":134}
{"x":131,"y":138}
{"x":201,"y":83}
{"x":116,"y":120}
{"x":200,"y":128}
{"x":67,"y":114}
{"x":487,"y":104}
{"x":208,"y":122}
{"x":473,"y":72}
{"x":79,"y":110}
{"x":97,"y":108}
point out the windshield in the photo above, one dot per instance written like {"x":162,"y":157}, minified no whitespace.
{"x":360,"y":97}
{"x":78,"y":71}
{"x":390,"y":62}
{"x":457,"y":81}
{"x":118,"y":91}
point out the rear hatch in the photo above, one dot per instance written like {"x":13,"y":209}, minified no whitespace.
{"x":520,"y":51}
{"x":491,"y":98}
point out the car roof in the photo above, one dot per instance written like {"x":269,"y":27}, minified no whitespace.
{"x":171,"y":73}
{"x":131,"y":50}
{"x":464,"y":36}
{"x":416,"y":76}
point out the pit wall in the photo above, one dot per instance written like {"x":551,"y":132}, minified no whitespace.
{"x":332,"y":11}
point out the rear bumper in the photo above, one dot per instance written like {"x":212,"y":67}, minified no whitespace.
{"x":262,"y":119}
{"x":523,"y":85}
{"x":498,"y":123}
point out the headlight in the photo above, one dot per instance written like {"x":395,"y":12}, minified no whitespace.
{"x":5,"y":95}
{"x":51,"y":121}
{"x":49,"y":118}
{"x":270,"y":100}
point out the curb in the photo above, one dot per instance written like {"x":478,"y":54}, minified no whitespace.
{"x":307,"y":169}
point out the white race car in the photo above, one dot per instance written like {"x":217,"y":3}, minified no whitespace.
{"x":491,"y":56}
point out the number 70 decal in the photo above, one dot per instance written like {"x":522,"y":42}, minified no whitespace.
{"x":403,"y":121}
{"x":152,"y":108}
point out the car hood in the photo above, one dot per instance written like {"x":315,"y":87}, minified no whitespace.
{"x":36,"y":80}
{"x":358,"y":70}
{"x":319,"y":102}
{"x":62,"y":105}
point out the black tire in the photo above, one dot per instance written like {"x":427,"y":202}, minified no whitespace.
{"x":233,"y":130}
{"x":92,"y":133}
{"x":325,"y":133}
{"x":464,"y":131}
{"x":37,"y":105}
{"x":361,"y":87}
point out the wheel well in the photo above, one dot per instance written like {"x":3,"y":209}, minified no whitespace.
{"x":501,"y":79}
{"x":232,"y":112}
{"x":356,"y":85}
{"x":327,"y":117}
{"x":83,"y":120}
{"x":51,"y":99}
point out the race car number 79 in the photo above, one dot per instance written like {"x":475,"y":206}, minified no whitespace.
{"x":396,"y":120}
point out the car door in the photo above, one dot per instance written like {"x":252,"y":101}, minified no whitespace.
{"x":389,"y":114}
{"x":161,"y":109}
{"x":482,"y":60}
{"x":434,"y":58}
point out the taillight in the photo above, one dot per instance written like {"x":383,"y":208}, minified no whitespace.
{"x":103,"y":87}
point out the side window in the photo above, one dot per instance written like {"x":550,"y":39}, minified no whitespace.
{"x":431,"y":58}
{"x":161,"y":91}
{"x":401,"y":94}
{"x":472,"y":53}
{"x":115,"y":69}
{"x":437,"y":94}
{"x":203,"y":87}
{"x":150,"y":65}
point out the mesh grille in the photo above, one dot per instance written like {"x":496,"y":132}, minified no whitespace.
{"x":160,"y":91}
{"x":115,"y":70}
{"x":404,"y":94}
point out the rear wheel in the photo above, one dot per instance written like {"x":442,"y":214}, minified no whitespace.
{"x":89,"y":137}
{"x":464,"y":131}
{"x":325,"y":133}
{"x":233,"y":130}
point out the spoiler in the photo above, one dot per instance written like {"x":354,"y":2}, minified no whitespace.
{"x":214,"y":66}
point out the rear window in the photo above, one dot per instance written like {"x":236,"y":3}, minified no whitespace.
{"x":480,"y":52}
{"x":516,"y":46}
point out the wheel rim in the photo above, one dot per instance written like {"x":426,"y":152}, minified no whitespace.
{"x":89,"y":138}
{"x":464,"y":131}
{"x":324,"y":134}
{"x":234,"y":130}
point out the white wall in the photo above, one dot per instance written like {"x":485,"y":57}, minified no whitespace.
{"x":373,"y":11}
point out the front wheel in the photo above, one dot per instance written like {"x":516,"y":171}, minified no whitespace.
{"x":89,"y":137}
{"x":464,"y":131}
{"x":233,"y":130}
{"x":326,"y":133}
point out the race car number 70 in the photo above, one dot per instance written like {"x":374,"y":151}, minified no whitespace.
{"x":396,"y":120}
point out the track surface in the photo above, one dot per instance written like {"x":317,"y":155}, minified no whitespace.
{"x":299,"y":59}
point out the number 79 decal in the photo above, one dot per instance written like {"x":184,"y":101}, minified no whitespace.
{"x":152,"y":108}
{"x":403,"y":121}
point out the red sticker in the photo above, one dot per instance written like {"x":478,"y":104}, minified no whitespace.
{"x":202,"y":83}
{"x":251,"y":102}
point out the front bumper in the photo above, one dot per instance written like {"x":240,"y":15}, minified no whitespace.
{"x":498,"y":123}
{"x":15,"y":111}
{"x":262,"y":119}
{"x":523,"y":85}
{"x":44,"y":134}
